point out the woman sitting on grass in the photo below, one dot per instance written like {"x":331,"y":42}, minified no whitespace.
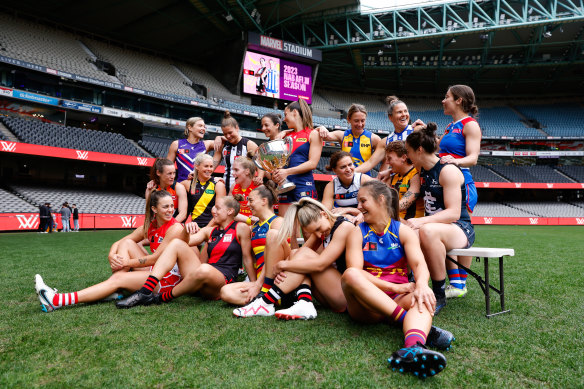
{"x":127,"y":254}
{"x":320,"y":262}
{"x":376,"y":286}
{"x":217,"y":265}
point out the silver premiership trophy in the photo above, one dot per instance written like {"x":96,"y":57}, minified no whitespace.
{"x":274,"y":155}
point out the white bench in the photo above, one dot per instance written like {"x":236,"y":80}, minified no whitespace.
{"x":486,"y":253}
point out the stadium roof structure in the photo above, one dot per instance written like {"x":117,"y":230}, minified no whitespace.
{"x":499,"y":47}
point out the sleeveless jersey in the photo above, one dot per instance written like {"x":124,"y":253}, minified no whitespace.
{"x":172,"y":190}
{"x":341,"y":262}
{"x":243,"y":207}
{"x":399,"y":135}
{"x":346,"y":197}
{"x":224,"y":251}
{"x":359,"y":147}
{"x":156,"y":234}
{"x":434,"y":193}
{"x":259,"y":232}
{"x":201,"y":200}
{"x":402,"y":184}
{"x":383,"y":254}
{"x":185,"y":157}
{"x":272,"y":81}
{"x":299,"y":155}
{"x":230,"y":154}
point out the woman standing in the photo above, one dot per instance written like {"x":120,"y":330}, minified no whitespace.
{"x":271,"y":127}
{"x":184,"y":151}
{"x":162,"y":175}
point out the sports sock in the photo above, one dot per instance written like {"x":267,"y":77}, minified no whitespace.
{"x":149,"y":285}
{"x":64,"y":299}
{"x":167,"y":296}
{"x":413,"y":336}
{"x":303,"y":292}
{"x":268,"y":282}
{"x":272,"y":295}
{"x":399,"y":314}
{"x":438,"y":289}
{"x":457,"y":278}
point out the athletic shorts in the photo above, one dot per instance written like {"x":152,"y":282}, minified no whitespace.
{"x":169,"y":281}
{"x":299,"y":192}
{"x":468,"y":230}
{"x":228,"y":274}
{"x":471,"y":191}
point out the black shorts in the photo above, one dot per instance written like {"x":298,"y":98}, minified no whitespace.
{"x":228,"y":273}
{"x":468,"y":230}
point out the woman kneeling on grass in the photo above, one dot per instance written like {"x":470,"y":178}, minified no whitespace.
{"x":126,"y":254}
{"x":376,"y":286}
{"x":320,"y":262}
{"x":227,"y":242}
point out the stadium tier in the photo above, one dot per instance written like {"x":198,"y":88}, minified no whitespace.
{"x":574,"y":172}
{"x":158,"y":147}
{"x":10,"y":202}
{"x":555,"y":119}
{"x":530,"y":173}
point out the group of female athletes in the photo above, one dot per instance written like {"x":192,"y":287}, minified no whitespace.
{"x":369,"y":249}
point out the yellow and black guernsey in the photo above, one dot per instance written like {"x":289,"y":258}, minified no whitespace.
{"x":359,"y":147}
{"x":201,"y":199}
{"x":402,"y":185}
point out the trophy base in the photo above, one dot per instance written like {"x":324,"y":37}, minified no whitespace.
{"x":286,"y":186}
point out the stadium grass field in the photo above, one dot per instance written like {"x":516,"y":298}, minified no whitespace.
{"x":197,"y":343}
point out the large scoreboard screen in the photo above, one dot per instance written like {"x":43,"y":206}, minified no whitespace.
{"x":265,"y":75}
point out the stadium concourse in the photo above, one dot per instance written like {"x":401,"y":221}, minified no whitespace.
{"x":83,"y":116}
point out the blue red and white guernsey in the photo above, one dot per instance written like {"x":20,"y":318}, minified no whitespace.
{"x":383,"y":254}
{"x":259,"y":232}
{"x":394,"y":136}
{"x":155,"y":237}
{"x":453,"y":143}
{"x":359,"y":147}
{"x":304,"y":181}
{"x":185,"y":157}
{"x":224,"y":251}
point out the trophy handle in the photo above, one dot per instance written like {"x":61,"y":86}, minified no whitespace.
{"x":255,"y":159}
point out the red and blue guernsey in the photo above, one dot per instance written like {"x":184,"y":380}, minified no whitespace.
{"x":300,"y":154}
{"x":383,"y":254}
{"x":453,"y":143}
{"x":185,"y":157}
{"x":259,"y":232}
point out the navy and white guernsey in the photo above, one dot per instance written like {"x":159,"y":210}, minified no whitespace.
{"x":346,"y":197}
{"x":395,"y":136}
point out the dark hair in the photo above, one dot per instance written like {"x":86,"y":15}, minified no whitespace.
{"x":268,"y":191}
{"x":304,"y":111}
{"x":465,"y":93}
{"x":276,"y":118}
{"x":426,"y":138}
{"x":378,"y":189}
{"x":152,"y":201}
{"x":399,"y":148}
{"x":228,"y":120}
{"x":391,"y":102}
{"x":354,"y":108}
{"x":335,"y":158}
{"x":158,"y":166}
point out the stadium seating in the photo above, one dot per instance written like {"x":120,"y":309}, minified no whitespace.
{"x":158,"y":147}
{"x":11,"y":203}
{"x":484,"y":174}
{"x":530,"y":173}
{"x":548,"y":209}
{"x":556,"y":119}
{"x":574,"y":172}
{"x":40,"y":133}
{"x":88,"y":201}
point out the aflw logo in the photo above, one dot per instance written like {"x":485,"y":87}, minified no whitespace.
{"x":533,"y":220}
{"x":518,"y":185}
{"x":8,"y":146}
{"x":27,"y":223}
{"x":550,"y":185}
{"x":488,"y":220}
{"x":142,"y":161}
{"x":486,"y":184}
{"x":580,"y":220}
{"x":128,"y":221}
{"x":82,"y":154}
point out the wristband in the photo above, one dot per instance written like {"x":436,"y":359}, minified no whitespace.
{"x":248,"y":221}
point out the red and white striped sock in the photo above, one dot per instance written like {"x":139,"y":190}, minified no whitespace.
{"x":64,"y":299}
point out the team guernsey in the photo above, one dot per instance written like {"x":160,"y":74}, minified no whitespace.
{"x":360,"y":147}
{"x":383,"y":254}
{"x":402,"y":185}
{"x":395,"y":136}
{"x":304,"y":181}
{"x":230,"y":153}
{"x":224,"y":251}
{"x":155,"y":237}
{"x":259,"y":232}
{"x":201,"y":200}
{"x":272,"y":81}
{"x":243,"y":205}
{"x":185,"y":157}
{"x":341,"y":262}
{"x":453,"y":143}
{"x":346,"y":197}
{"x":172,"y":190}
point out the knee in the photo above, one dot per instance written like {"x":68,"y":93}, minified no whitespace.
{"x":428,"y":234}
{"x":201,"y":273}
{"x":351,"y":278}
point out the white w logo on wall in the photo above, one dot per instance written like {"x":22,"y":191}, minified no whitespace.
{"x":128,"y":221}
{"x":142,"y":161}
{"x":533,"y":220}
{"x":580,"y":220}
{"x":488,"y":220}
{"x":8,"y":146}
{"x":28,"y":222}
{"x":82,"y":154}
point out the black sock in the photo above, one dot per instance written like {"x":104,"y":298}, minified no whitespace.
{"x":149,"y":285}
{"x":303,"y":292}
{"x":273,"y":295}
{"x":438,"y":287}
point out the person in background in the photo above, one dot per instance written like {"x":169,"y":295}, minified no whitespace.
{"x":66,"y":217}
{"x":75,"y":218}
{"x":44,"y":215}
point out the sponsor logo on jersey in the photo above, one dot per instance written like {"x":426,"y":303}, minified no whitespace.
{"x":228,"y":238}
{"x":209,"y":191}
{"x":304,"y":140}
{"x":365,"y":145}
{"x":183,"y":151}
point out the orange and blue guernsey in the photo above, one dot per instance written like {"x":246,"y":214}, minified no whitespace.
{"x":358,"y":146}
{"x":259,"y":232}
{"x":384,"y":254}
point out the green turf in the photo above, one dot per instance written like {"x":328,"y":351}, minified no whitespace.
{"x":197,"y":343}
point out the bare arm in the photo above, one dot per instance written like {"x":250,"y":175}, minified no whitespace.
{"x":244,"y":236}
{"x":176,"y":231}
{"x":209,"y":145}
{"x":181,"y":193}
{"x":172,"y":150}
{"x":251,"y":146}
{"x":327,"y":197}
{"x":422,"y":294}
{"x":377,"y":157}
{"x":218,"y":156}
{"x":412,"y":194}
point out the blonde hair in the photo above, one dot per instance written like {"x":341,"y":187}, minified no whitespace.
{"x":191,"y":122}
{"x":247,"y":164}
{"x":201,"y":157}
{"x":305,"y":211}
{"x":232,"y":202}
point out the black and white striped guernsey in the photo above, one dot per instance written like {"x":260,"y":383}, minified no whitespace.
{"x":230,"y":153}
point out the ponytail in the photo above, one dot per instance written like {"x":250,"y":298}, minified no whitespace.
{"x":425,"y":138}
{"x":305,"y":211}
{"x":158,"y":167}
{"x":465,"y":93}
{"x":379,"y":190}
{"x":268,"y":191}
{"x":304,"y":111}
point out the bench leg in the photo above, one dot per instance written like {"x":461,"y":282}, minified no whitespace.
{"x":487,"y":288}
